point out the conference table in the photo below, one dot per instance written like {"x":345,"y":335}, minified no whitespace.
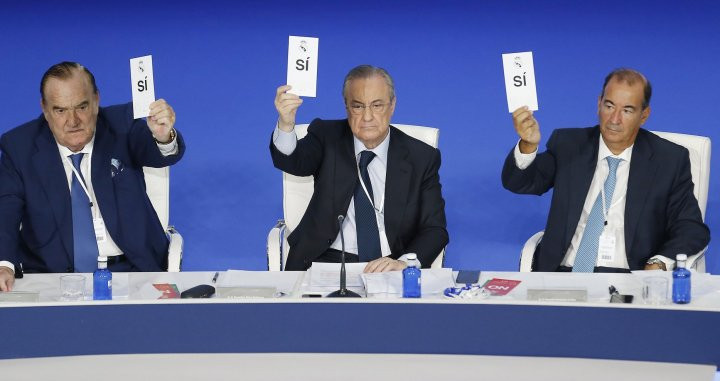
{"x":382,"y":336}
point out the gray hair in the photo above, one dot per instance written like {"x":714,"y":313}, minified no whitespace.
{"x":368,"y":71}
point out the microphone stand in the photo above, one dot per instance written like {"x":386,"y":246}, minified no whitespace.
{"x":343,"y":292}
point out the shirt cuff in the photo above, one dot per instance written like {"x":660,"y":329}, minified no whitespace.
{"x":669,"y":263}
{"x":8,"y":265}
{"x":285,"y":142}
{"x":523,"y":160}
{"x":169,"y":148}
{"x":403,"y":258}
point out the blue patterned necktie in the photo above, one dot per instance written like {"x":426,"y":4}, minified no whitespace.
{"x":84,"y":241}
{"x":587,"y":252}
{"x":368,"y":238}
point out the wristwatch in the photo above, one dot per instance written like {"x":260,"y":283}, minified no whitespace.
{"x":657,"y":261}
{"x":173,"y":134}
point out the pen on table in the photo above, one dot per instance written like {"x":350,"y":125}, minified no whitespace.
{"x":217,"y":274}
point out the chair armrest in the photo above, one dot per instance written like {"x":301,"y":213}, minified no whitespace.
{"x":175,"y":250}
{"x":697,"y":261}
{"x":528,"y":251}
{"x":439,"y":262}
{"x":276,"y":246}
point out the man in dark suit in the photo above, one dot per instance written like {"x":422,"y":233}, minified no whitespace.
{"x":72,"y":185}
{"x":396,"y":209}
{"x":622,"y":196}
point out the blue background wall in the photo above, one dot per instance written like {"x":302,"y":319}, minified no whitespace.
{"x":218,"y":64}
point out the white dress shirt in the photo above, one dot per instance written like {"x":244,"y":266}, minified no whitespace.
{"x":286,"y":142}
{"x":616,"y":210}
{"x":106,"y":246}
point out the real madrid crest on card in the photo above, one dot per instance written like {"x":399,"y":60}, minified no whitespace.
{"x":143,"y":85}
{"x":302,"y":65}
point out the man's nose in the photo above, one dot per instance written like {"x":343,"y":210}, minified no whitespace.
{"x":367,"y":113}
{"x":616,"y":116}
{"x":72,"y":118}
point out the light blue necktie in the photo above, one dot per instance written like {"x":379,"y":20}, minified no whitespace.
{"x":368,"y":236}
{"x":85,"y":243}
{"x":587,"y":252}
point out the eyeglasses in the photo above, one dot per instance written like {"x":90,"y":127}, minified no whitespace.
{"x":375,"y":108}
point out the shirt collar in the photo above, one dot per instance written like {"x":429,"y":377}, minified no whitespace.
{"x":604,"y":152}
{"x":381,"y":151}
{"x":87,"y":150}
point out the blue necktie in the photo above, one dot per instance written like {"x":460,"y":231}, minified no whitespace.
{"x":368,"y":238}
{"x":587,"y":252}
{"x":85,"y":243}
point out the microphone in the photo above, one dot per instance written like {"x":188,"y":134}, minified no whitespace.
{"x":343,"y":292}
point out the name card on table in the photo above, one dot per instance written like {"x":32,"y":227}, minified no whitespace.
{"x":520,"y":80}
{"x":302,"y":65}
{"x":143,"y":85}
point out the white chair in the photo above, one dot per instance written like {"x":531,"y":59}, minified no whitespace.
{"x":297,"y":192}
{"x":699,"y":150}
{"x":157,"y":184}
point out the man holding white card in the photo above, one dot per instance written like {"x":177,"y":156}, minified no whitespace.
{"x":72,"y":186}
{"x":622,"y":196}
{"x":384,"y":182}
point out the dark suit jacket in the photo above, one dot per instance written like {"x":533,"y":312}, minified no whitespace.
{"x":414,"y":207}
{"x":662,"y":216}
{"x":34,"y":191}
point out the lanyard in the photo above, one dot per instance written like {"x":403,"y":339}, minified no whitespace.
{"x":606,"y":208}
{"x":381,"y":210}
{"x":80,"y":179}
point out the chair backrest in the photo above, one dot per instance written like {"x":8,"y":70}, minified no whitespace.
{"x":699,"y":149}
{"x":297,"y":190}
{"x":157,"y":186}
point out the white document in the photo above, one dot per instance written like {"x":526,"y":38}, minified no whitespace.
{"x":432,"y":281}
{"x":282,"y":280}
{"x":328,"y":274}
{"x":302,"y":65}
{"x":520,"y":81}
{"x":143,"y":85}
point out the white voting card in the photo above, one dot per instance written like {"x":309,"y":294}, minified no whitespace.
{"x":520,"y":80}
{"x":143,"y":85}
{"x":302,"y":65}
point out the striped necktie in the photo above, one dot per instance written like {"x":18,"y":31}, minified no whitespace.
{"x":587,"y":252}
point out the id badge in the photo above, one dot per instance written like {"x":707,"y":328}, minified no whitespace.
{"x":100,"y":231}
{"x":606,"y":247}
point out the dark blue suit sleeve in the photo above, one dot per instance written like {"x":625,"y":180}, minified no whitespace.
{"x":307,"y":156}
{"x":431,"y":236}
{"x":685,"y":231}
{"x":12,"y":195}
{"x":537,"y":178}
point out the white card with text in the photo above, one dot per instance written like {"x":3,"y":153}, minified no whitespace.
{"x":520,"y":80}
{"x":302,"y":65}
{"x":143,"y":85}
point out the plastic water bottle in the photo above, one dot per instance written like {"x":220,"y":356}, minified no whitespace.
{"x":411,"y":277}
{"x":681,"y":281}
{"x":102,"y":281}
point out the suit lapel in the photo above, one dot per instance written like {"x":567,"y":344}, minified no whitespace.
{"x":642,"y":172}
{"x":397,"y":184}
{"x":582,"y":170}
{"x":101,"y":176}
{"x":345,"y":171}
{"x":50,"y":170}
